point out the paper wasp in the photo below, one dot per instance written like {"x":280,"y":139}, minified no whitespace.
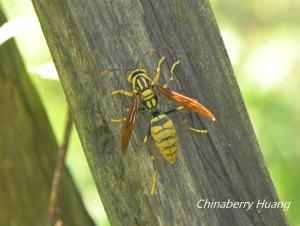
{"x":146,"y":91}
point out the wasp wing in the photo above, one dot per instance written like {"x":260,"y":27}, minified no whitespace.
{"x":187,"y":102}
{"x":129,"y":123}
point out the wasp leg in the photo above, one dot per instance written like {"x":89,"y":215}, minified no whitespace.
{"x":153,"y":190}
{"x":117,"y":120}
{"x":166,"y":85}
{"x":193,"y":129}
{"x":172,"y":74}
{"x":147,"y":135}
{"x":173,"y":67}
{"x":156,"y":76}
{"x":180,"y":108}
{"x":123,"y":92}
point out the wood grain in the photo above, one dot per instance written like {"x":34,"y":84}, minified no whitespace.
{"x":85,"y":37}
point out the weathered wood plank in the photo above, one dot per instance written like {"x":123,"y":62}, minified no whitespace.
{"x":85,"y":37}
{"x":28,"y":151}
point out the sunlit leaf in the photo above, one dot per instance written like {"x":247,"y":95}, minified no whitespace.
{"x":17,"y":26}
{"x":47,"y":71}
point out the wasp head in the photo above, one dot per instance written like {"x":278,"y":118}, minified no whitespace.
{"x":135,"y":72}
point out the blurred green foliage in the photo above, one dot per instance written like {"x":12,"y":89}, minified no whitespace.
{"x":39,"y":63}
{"x":262,"y":40}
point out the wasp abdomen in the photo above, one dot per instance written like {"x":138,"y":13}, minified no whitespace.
{"x":164,"y":135}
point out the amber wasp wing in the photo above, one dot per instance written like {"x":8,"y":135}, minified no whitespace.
{"x":129,"y":123}
{"x":187,"y":102}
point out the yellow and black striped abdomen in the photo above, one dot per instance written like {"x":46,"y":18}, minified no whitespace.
{"x":164,"y":135}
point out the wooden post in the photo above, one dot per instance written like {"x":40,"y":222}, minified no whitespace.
{"x":28,"y":151}
{"x":85,"y":37}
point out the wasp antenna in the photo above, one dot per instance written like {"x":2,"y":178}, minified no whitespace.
{"x":148,"y":51}
{"x":107,"y":71}
{"x":151,"y":50}
{"x":104,"y":72}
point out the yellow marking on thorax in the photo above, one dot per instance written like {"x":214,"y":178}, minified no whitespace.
{"x":147,"y":77}
{"x":140,"y":84}
{"x":147,"y":93}
{"x":133,"y":83}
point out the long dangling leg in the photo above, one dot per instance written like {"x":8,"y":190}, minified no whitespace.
{"x":193,"y":129}
{"x":180,"y":108}
{"x":153,"y":190}
{"x":157,"y":75}
{"x":172,"y":74}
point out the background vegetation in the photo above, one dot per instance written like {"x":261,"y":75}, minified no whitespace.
{"x":262,"y":40}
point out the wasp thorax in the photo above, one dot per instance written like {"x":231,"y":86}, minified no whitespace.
{"x":143,"y":85}
{"x":134,"y":73}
